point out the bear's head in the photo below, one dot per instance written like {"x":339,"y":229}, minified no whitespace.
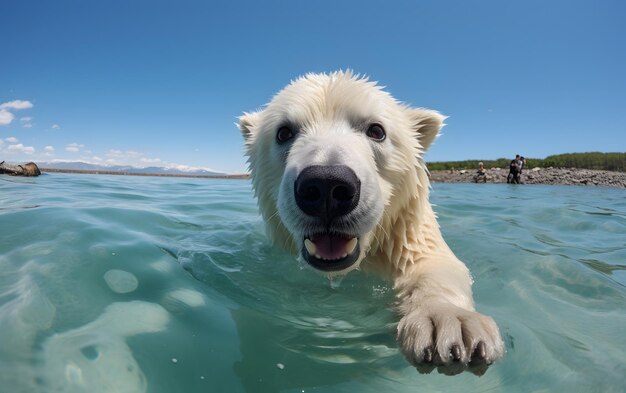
{"x":335,"y":162}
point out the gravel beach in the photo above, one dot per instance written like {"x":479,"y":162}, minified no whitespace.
{"x":561,"y":176}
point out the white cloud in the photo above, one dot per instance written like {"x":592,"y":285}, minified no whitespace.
{"x":6,"y":117}
{"x":74,"y":147}
{"x":139,"y":159}
{"x":19,"y":148}
{"x":114,"y":153}
{"x":11,"y":139}
{"x":56,"y":126}
{"x":97,"y":159}
{"x":48,"y":151}
{"x":17,"y":105}
{"x":27,"y":125}
{"x":187,"y":168}
{"x":26,"y":119}
{"x":151,"y":160}
{"x":126,"y":157}
{"x":128,"y":154}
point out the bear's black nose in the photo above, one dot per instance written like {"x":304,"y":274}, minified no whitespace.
{"x":327,"y":191}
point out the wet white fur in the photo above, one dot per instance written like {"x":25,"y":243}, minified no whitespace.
{"x":397,"y":228}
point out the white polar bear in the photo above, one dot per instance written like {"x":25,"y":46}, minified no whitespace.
{"x":337,"y":168}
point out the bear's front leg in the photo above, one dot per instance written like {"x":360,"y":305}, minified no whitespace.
{"x":439,"y":327}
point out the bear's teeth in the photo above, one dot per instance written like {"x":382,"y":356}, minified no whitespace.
{"x":310,"y":246}
{"x":351,"y":245}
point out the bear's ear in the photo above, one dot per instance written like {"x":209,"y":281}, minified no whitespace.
{"x":427,"y":124}
{"x":247,"y":124}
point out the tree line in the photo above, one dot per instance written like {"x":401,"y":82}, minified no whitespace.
{"x":594,"y":160}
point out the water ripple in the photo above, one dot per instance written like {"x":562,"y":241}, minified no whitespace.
{"x":106,"y":280}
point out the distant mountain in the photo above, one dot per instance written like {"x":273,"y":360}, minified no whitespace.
{"x":84,"y":166}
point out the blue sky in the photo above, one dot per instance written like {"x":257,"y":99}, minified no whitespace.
{"x":162,"y":83}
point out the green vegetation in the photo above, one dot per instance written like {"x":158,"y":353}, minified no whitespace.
{"x":604,"y":161}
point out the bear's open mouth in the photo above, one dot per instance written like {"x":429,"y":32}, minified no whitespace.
{"x":330,"y":252}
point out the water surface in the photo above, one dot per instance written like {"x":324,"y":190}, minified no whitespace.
{"x":141,"y":284}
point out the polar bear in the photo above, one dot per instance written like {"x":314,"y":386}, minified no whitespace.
{"x":337,"y":168}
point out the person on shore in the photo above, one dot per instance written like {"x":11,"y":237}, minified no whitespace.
{"x":513,"y":177}
{"x":481,"y":174}
{"x":521,"y":163}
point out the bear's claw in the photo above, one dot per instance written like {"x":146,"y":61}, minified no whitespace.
{"x":428,"y":355}
{"x":450,"y":339}
{"x":456,"y":353}
{"x":480,"y":353}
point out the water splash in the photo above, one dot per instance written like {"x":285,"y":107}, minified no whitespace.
{"x":335,"y":280}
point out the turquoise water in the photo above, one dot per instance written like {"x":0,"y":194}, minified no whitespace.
{"x":141,"y":284}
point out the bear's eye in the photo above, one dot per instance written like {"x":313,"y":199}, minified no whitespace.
{"x":284,"y":134}
{"x":376,"y":132}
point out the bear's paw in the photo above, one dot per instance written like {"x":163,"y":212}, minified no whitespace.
{"x":450,"y":339}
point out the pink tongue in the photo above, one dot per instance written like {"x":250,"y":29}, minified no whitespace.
{"x":330,"y":247}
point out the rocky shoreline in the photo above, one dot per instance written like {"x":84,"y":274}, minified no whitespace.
{"x":560,"y":176}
